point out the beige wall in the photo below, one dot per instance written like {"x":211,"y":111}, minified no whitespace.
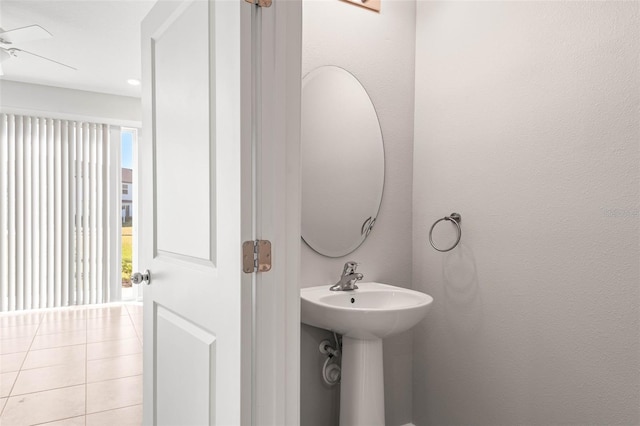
{"x":379,"y":50}
{"x":527,"y":123}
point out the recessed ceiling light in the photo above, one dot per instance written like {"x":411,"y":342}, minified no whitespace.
{"x":133,"y":82}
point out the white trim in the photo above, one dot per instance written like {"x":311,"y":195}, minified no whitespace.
{"x":277,"y":345}
{"x":289,"y":57}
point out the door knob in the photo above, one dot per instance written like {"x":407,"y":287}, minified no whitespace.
{"x":137,"y":277}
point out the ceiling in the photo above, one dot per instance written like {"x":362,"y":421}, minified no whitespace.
{"x":99,"y":38}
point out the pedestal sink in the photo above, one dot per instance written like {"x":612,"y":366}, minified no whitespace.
{"x":364,"y":317}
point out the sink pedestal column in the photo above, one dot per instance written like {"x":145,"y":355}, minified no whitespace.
{"x":362,"y":383}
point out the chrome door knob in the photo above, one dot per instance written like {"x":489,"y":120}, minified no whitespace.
{"x":137,"y":277}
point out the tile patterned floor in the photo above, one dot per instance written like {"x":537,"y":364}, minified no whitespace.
{"x":78,"y":366}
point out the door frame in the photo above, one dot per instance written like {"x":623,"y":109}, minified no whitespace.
{"x":278,"y":38}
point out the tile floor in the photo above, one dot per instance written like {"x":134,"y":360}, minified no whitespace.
{"x":72,"y":366}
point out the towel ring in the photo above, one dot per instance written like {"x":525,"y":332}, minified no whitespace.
{"x":456,"y":219}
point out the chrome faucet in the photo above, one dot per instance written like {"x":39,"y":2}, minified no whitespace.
{"x":348,"y":279}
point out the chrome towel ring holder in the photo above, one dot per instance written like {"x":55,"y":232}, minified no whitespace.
{"x":455,"y":218}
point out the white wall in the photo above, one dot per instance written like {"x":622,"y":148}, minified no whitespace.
{"x":58,"y":102}
{"x":379,"y":50}
{"x":527,"y":123}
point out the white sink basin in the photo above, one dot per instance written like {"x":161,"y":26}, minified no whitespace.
{"x":373,"y":311}
{"x":364,"y":317}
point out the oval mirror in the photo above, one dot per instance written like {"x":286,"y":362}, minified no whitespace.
{"x":342,"y":159}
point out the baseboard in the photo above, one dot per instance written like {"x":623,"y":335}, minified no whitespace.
{"x":409,"y":424}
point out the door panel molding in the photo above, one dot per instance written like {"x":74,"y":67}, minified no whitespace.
{"x":185,"y":356}
{"x":186,"y":261}
{"x":178,"y":98}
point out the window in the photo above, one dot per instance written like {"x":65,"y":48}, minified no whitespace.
{"x":128,"y":247}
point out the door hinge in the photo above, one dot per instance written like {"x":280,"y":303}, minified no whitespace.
{"x":261,"y":3}
{"x":256,"y":256}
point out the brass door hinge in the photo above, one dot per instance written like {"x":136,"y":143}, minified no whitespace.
{"x":256,"y":256}
{"x":261,"y":3}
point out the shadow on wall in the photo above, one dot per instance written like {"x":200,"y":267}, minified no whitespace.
{"x":461,"y":292}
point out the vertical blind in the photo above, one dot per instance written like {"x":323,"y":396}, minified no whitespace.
{"x":56,"y":209}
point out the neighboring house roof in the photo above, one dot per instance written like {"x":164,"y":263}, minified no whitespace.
{"x":127,"y":176}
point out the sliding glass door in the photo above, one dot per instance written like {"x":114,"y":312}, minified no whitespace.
{"x":58,"y":212}
{"x":128,"y":212}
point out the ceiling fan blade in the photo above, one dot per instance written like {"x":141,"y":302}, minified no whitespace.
{"x":42,"y":57}
{"x":28,"y":33}
{"x":4,"y":54}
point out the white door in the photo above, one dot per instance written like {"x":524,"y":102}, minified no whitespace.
{"x":194,"y":189}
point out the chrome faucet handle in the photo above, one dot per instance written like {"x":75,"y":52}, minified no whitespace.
{"x":350,"y":268}
{"x":348,"y":279}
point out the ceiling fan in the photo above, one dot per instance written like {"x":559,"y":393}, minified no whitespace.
{"x":18,"y":35}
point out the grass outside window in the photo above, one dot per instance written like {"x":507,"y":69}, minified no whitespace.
{"x":127,"y":237}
